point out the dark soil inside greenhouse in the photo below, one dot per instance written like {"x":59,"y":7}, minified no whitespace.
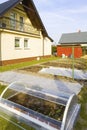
{"x":39,"y":105}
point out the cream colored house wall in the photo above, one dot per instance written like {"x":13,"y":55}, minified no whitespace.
{"x":10,"y":52}
{"x":47,"y":46}
{"x":36,"y":43}
{"x":0,"y":46}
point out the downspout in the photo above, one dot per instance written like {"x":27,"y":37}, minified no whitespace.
{"x":0,"y":46}
{"x":1,"y":30}
{"x":42,"y":41}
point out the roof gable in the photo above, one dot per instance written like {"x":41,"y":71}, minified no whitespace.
{"x":74,"y":38}
{"x":31,"y":11}
{"x":4,"y":7}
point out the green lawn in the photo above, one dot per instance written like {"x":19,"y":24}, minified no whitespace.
{"x":25,"y":64}
{"x":2,"y":87}
{"x":7,"y":125}
{"x":80,"y":125}
{"x":82,"y":120}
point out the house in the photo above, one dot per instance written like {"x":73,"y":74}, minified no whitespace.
{"x":67,"y":51}
{"x":77,"y":40}
{"x":23,"y":36}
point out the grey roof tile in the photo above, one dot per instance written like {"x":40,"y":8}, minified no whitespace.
{"x":4,"y":7}
{"x":74,"y":38}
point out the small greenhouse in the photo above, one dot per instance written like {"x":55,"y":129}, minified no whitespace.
{"x":43,"y":109}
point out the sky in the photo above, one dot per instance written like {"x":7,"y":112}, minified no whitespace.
{"x":62,"y":16}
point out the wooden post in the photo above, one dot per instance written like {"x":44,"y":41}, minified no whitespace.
{"x":73,"y":62}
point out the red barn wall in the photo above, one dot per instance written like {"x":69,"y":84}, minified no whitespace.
{"x":68,"y":51}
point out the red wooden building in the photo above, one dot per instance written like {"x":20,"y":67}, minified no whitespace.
{"x":67,"y":51}
{"x":70,"y":44}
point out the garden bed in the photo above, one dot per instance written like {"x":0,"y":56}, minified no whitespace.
{"x":35,"y":68}
{"x":39,"y":105}
{"x":63,"y":63}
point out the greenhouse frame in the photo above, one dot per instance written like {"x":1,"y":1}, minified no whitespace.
{"x":30,"y":105}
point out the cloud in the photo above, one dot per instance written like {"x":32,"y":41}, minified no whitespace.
{"x":52,"y":17}
{"x":1,"y":1}
{"x":61,"y":16}
{"x":42,"y":4}
{"x":65,"y":21}
{"x":80,"y":10}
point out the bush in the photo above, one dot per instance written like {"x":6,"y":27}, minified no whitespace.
{"x":54,"y":50}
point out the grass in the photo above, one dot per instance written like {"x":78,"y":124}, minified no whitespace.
{"x":82,"y":121}
{"x":81,"y":63}
{"x":25,"y":64}
{"x":6,"y":125}
{"x":82,"y":97}
{"x":80,"y":125}
{"x":2,"y":87}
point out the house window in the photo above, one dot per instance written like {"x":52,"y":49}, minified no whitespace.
{"x":26,"y":43}
{"x":21,"y":23}
{"x":17,"y":43}
{"x":13,"y":20}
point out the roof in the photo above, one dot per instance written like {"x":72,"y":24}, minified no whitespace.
{"x":4,"y":7}
{"x":31,"y":11}
{"x":73,"y":38}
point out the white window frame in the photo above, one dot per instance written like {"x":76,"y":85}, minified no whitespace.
{"x":19,"y":43}
{"x":26,"y":47}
